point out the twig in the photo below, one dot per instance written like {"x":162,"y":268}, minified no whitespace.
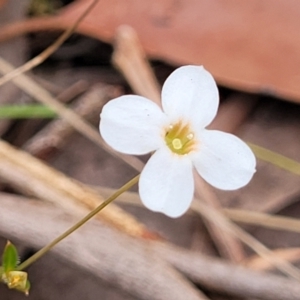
{"x":73,"y":91}
{"x":221,"y":221}
{"x":32,"y":176}
{"x":228,"y":246}
{"x":257,"y":263}
{"x":130,"y":58}
{"x":56,"y":134}
{"x":237,"y":215}
{"x":230,"y":116}
{"x":47,"y":52}
{"x":37,"y":24}
{"x":33,"y":89}
{"x":261,"y":219}
{"x":235,"y":281}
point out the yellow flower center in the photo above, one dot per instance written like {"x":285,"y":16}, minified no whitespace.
{"x":17,"y":279}
{"x":180,"y":139}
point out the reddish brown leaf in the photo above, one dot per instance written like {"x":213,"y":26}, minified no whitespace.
{"x":251,"y":45}
{"x":2,"y":2}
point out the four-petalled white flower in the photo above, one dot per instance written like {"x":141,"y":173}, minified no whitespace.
{"x":135,"y":125}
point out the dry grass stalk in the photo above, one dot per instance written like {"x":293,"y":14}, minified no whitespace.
{"x":73,"y":91}
{"x":47,"y":52}
{"x":63,"y":94}
{"x":40,"y":94}
{"x":216,"y":216}
{"x":262,"y":219}
{"x":43,"y":96}
{"x":229,"y":246}
{"x":291,"y":255}
{"x":32,"y":176}
{"x":220,"y":220}
{"x":237,"y":215}
{"x":130,"y":58}
{"x":55,"y":135}
{"x":230,"y":279}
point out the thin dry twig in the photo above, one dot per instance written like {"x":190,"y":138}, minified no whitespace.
{"x":230,"y":116}
{"x":49,"y":23}
{"x":130,"y":58}
{"x":230,"y":279}
{"x":262,"y":219}
{"x":229,"y":246}
{"x":260,"y":264}
{"x":43,"y":96}
{"x":220,"y":220}
{"x":32,"y":176}
{"x":73,"y":91}
{"x":237,"y":215}
{"x":55,"y":135}
{"x":82,"y":126}
{"x":47,"y":52}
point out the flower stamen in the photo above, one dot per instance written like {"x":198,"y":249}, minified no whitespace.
{"x":190,"y":136}
{"x":177,"y":144}
{"x":180,"y":139}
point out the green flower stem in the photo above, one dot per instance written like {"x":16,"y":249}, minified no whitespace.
{"x":276,"y":159}
{"x":44,"y":250}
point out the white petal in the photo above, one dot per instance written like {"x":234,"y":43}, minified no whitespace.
{"x":224,"y":160}
{"x":132,"y":125}
{"x":191,"y":93}
{"x":166,"y":184}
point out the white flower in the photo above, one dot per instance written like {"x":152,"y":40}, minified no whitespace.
{"x":135,"y":125}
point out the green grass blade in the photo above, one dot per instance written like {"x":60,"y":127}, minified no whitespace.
{"x":29,"y":111}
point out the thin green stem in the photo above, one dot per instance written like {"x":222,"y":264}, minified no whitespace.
{"x":28,"y":111}
{"x":276,"y":159}
{"x":44,"y":250}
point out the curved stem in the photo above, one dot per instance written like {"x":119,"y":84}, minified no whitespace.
{"x":44,"y":250}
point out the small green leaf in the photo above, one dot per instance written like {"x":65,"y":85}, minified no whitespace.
{"x":13,"y":278}
{"x":10,"y":258}
{"x":28,"y":111}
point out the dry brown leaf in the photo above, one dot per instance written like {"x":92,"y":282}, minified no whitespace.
{"x":2,"y":2}
{"x":251,"y":45}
